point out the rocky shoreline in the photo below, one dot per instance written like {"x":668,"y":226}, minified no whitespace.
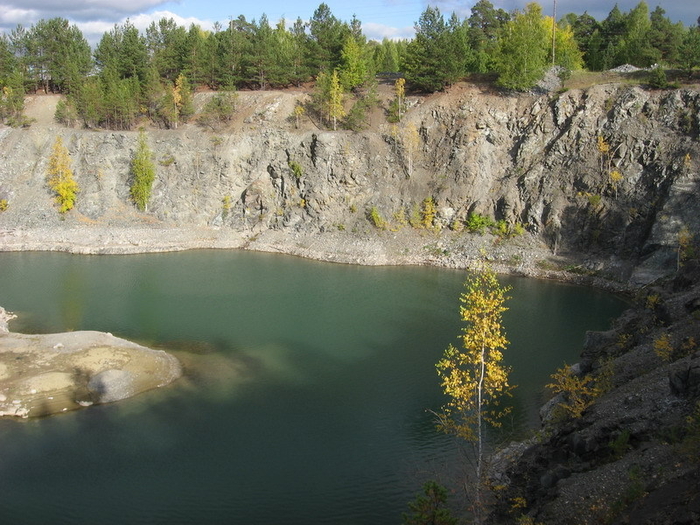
{"x":524,"y":256}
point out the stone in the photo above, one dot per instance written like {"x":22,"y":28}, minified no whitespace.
{"x":111,"y":385}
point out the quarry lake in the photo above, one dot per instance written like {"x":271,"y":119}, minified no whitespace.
{"x":306,"y":393}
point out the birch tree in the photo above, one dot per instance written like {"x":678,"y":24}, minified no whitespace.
{"x":335,"y":100}
{"x":474,"y":377}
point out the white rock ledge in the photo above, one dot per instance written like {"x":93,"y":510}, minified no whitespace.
{"x":53,"y":373}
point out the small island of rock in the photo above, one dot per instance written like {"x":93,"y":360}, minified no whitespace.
{"x":52,"y":373}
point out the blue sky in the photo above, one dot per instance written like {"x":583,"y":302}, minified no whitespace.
{"x":380,"y":18}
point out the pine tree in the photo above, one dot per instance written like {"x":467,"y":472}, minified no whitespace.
{"x":474,"y":377}
{"x":143,"y":173}
{"x":60,"y":177}
{"x":430,"y":509}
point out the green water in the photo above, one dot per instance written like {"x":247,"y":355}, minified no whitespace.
{"x":306,"y":390}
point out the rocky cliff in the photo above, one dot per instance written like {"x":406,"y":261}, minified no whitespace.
{"x":607,"y":175}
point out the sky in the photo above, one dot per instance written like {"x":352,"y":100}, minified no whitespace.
{"x":380,"y":18}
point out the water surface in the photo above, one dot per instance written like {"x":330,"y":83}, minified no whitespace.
{"x":306,"y":393}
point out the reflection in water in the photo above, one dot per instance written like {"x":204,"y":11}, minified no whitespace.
{"x":305,"y":391}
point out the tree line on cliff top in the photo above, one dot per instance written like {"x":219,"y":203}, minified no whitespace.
{"x":129,"y":74}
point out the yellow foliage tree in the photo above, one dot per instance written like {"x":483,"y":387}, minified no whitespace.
{"x":578,"y":391}
{"x":400,"y":92}
{"x":335,"y":100}
{"x":565,"y":48}
{"x":428,"y":212}
{"x":474,"y":377}
{"x":60,"y":177}
{"x":411,"y":140}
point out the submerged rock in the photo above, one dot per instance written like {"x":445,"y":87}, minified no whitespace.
{"x":52,"y":373}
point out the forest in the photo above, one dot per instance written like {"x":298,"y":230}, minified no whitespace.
{"x":130,"y":76}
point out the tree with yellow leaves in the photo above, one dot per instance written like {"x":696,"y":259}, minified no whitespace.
{"x":335,"y":100}
{"x":474,"y":377}
{"x":411,"y":141}
{"x":60,"y":177}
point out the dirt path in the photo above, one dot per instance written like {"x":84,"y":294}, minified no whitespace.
{"x":41,"y":108}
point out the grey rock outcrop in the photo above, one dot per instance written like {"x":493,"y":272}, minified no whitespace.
{"x":528,"y":159}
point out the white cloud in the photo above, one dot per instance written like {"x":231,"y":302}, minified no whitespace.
{"x":380,"y":31}
{"x":27,"y":12}
{"x":11,"y":16}
{"x":142,"y":21}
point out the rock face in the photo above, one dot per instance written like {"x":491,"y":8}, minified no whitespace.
{"x":632,"y":457}
{"x":46,"y":374}
{"x":609,"y":173}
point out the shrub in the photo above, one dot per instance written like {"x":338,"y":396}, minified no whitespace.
{"x":477,"y":223}
{"x":579,"y":392}
{"x":296,"y":169}
{"x":65,"y":113}
{"x":143,"y":173}
{"x":219,"y":109}
{"x":3,"y":205}
{"x":226,"y":205}
{"x":663,"y":347}
{"x":428,"y":212}
{"x":657,"y":78}
{"x":376,"y":218}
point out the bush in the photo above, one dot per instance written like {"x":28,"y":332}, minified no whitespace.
{"x":428,"y":212}
{"x":579,"y":392}
{"x":143,"y":173}
{"x":657,"y":78}
{"x":376,"y":218}
{"x":65,"y":113}
{"x":219,"y":109}
{"x":477,"y":223}
{"x":296,"y":169}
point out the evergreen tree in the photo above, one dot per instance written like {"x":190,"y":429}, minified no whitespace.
{"x":143,"y":173}
{"x":690,"y":50}
{"x":262,"y":57}
{"x":327,"y":37}
{"x":429,"y":508}
{"x":166,"y":43}
{"x":197,"y":55}
{"x":604,"y":47}
{"x":234,"y":53}
{"x":299,"y":50}
{"x":635,"y":47}
{"x":123,"y":50}
{"x":584,"y":27}
{"x":665,"y":37}
{"x":57,"y":54}
{"x":485,"y":23}
{"x":433,"y":57}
